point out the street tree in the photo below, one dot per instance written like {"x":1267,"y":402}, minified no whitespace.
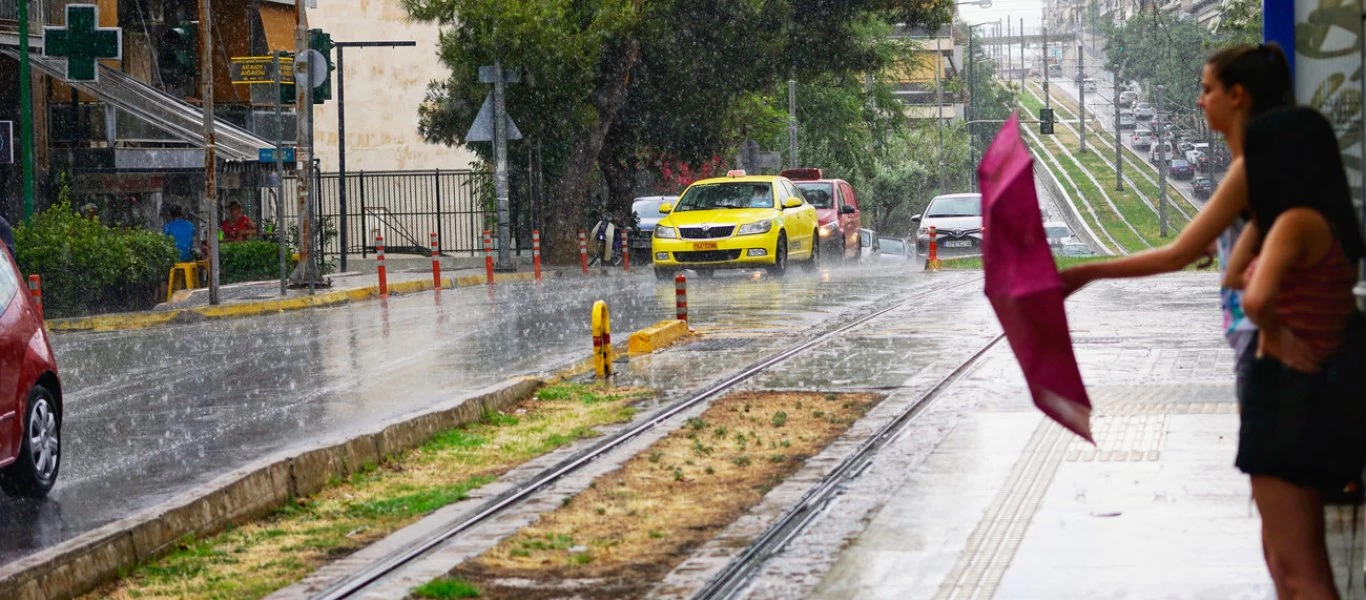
{"x":1159,"y":49}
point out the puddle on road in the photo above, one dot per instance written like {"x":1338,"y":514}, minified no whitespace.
{"x":635,"y":524}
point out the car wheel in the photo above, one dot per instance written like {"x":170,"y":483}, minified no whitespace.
{"x":34,"y":472}
{"x":779,"y":256}
{"x":815,"y":262}
{"x":663,"y":274}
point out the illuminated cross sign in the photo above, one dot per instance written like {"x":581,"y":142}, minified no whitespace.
{"x":83,"y":42}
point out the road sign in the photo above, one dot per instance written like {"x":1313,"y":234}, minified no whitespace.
{"x":267,"y":155}
{"x":486,"y":73}
{"x":82,"y":42}
{"x":312,"y":68}
{"x":260,"y":69}
{"x":6,"y":142}
{"x":482,"y":129}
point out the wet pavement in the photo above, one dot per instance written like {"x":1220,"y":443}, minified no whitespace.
{"x":982,"y":497}
{"x":154,"y":412}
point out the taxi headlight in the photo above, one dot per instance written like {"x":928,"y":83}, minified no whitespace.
{"x":665,"y":233}
{"x":756,"y":228}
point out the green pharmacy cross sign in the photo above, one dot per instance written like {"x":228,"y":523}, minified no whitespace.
{"x":83,"y":42}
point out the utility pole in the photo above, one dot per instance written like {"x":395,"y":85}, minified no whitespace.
{"x":210,"y":145}
{"x":1047,"y":99}
{"x":280,"y":176}
{"x":972,"y":149}
{"x":500,"y":173}
{"x":25,"y":112}
{"x":1163,"y":161}
{"x":1119,"y":135}
{"x":303,"y":273}
{"x":1024,"y":67}
{"x":1007,"y":47}
{"x":1081,"y":95}
{"x":939,"y":100}
{"x":792,"y":122}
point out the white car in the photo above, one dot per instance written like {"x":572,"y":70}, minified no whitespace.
{"x":957,"y":220}
{"x":1127,"y":99}
{"x":1143,"y":139}
{"x":1144,"y":111}
{"x":1057,"y":233}
{"x":869,"y":245}
{"x":1126,"y":121}
{"x":1088,"y":84}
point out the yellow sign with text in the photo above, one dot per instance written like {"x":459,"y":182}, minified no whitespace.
{"x":260,"y":69}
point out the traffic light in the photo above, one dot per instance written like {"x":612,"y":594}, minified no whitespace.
{"x":1046,"y":121}
{"x":322,"y":42}
{"x":177,"y":59}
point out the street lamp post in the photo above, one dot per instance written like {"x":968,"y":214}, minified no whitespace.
{"x":972,"y":85}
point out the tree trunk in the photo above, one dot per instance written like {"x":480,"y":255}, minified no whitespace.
{"x":619,"y":171}
{"x":571,"y":192}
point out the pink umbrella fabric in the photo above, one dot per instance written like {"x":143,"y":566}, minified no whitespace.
{"x":1022,"y":281}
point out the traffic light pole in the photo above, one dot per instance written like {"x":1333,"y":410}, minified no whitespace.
{"x":210,"y":145}
{"x":341,"y":132}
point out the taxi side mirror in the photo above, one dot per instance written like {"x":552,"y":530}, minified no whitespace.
{"x":793,"y":202}
{"x":665,"y":208}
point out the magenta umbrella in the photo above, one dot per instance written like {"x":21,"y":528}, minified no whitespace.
{"x":1022,"y":281}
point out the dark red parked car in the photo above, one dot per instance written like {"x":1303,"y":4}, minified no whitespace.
{"x":836,"y":208}
{"x":30,"y":392}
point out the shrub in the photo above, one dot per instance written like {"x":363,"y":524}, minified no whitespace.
{"x":250,"y":261}
{"x":87,"y":267}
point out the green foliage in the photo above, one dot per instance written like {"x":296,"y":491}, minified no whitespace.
{"x":250,"y":261}
{"x":446,"y":588}
{"x":89,"y":268}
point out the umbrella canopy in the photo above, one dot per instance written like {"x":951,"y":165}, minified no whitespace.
{"x":1022,"y":281}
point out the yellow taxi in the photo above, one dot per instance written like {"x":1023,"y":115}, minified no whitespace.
{"x":737,"y":221}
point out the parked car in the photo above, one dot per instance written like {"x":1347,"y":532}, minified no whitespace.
{"x":1203,"y":187}
{"x":737,"y":221}
{"x":1144,"y":111}
{"x":31,"y":396}
{"x":957,"y":219}
{"x":1143,"y":139}
{"x":837,"y":209}
{"x":646,"y":211}
{"x":1180,"y":169}
{"x":1126,"y":121}
{"x":869,"y":245}
{"x":893,"y":249}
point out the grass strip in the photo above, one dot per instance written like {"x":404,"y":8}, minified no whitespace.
{"x":974,"y":263}
{"x":254,"y":560}
{"x":632,"y":526}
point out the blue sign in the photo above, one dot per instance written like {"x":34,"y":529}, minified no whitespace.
{"x":6,"y":142}
{"x":267,"y":155}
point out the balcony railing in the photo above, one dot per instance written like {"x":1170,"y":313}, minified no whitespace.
{"x":9,"y":14}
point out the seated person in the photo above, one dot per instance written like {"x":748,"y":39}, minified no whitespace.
{"x":238,"y":227}
{"x":761,"y":198}
{"x":181,"y":231}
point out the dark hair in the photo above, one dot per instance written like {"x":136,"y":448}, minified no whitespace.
{"x":174,"y":211}
{"x":234,"y":204}
{"x":1262,"y":70}
{"x":1292,"y":160}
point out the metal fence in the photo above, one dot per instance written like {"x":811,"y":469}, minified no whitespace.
{"x":404,"y":206}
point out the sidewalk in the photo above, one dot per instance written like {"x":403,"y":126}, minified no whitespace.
{"x":986,"y":498}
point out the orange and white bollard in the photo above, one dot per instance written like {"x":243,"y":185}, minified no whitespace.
{"x":583,"y":251}
{"x":536,"y":253}
{"x":626,"y":249}
{"x":436,"y":263}
{"x":488,"y":255}
{"x":932,"y":262}
{"x":379,"y":259}
{"x":35,"y":293}
{"x":681,"y":296}
{"x":602,"y":340}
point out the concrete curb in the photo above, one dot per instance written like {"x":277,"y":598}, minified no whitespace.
{"x":657,"y":336}
{"x":81,"y":564}
{"x":142,"y":320}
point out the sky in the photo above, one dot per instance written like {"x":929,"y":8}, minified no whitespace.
{"x":1029,"y":10}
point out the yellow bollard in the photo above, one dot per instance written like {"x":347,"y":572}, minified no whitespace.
{"x":602,"y":340}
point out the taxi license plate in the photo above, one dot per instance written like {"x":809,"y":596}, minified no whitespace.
{"x":704,"y":246}
{"x":958,"y":244}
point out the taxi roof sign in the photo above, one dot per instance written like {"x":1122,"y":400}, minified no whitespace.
{"x":735,"y":173}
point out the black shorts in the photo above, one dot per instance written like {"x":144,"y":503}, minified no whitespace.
{"x":1299,"y":427}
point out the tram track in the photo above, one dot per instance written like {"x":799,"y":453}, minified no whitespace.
{"x":361,"y":580}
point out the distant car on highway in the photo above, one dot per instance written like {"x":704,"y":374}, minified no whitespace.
{"x":646,"y":211}
{"x":1143,"y":111}
{"x":1143,"y":139}
{"x":1127,"y":98}
{"x":1203,"y":187}
{"x":737,"y":221}
{"x":1126,"y":121}
{"x":869,"y":245}
{"x":1180,"y":169}
{"x":1074,"y":247}
{"x":893,"y":249}
{"x":957,"y":219}
{"x":31,"y":397}
{"x":836,"y":208}
{"x":1057,"y":232}
{"x":1160,"y":152}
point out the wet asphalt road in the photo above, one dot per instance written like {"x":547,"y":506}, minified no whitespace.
{"x":153,"y":413}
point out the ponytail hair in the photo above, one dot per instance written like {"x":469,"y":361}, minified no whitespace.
{"x":1262,"y":70}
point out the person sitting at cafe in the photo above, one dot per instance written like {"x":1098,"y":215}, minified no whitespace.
{"x":238,"y":227}
{"x":181,"y":231}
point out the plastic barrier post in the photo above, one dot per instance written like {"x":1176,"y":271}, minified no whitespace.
{"x":583,"y":250}
{"x":681,"y":296}
{"x":536,"y":253}
{"x":932,"y":263}
{"x":626,"y":249}
{"x":488,"y":255}
{"x":602,"y":340}
{"x":436,"y":264}
{"x":379,"y":258}
{"x":35,"y":292}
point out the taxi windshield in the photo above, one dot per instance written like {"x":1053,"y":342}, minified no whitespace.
{"x":726,"y":195}
{"x":820,"y":195}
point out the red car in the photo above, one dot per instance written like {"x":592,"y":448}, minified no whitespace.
{"x":836,"y":209}
{"x":30,"y":392}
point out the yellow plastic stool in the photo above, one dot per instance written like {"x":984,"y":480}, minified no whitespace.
{"x":189,"y":273}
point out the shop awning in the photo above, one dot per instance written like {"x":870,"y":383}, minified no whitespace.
{"x":279,"y":24}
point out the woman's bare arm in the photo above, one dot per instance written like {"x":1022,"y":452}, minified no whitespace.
{"x":1219,"y":213}
{"x":1243,"y":253}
